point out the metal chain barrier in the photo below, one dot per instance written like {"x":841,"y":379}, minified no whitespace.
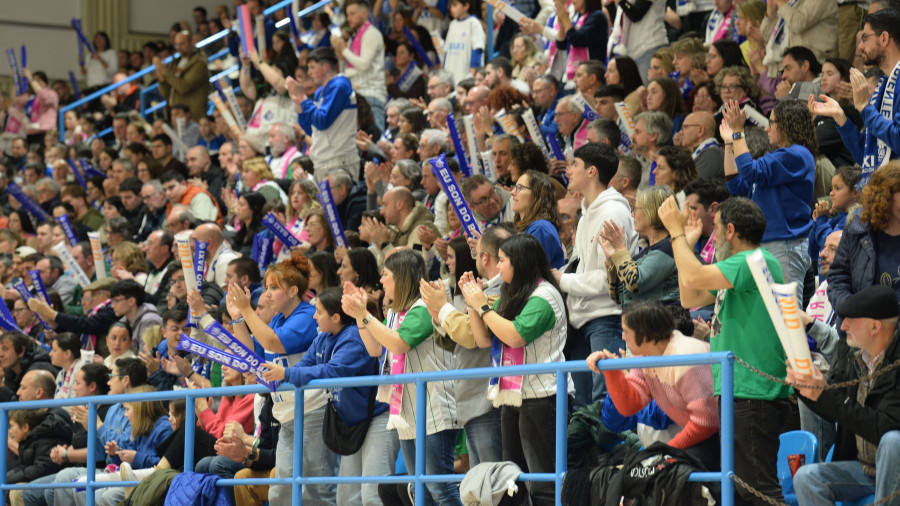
{"x":834,"y":386}
{"x":743,"y":484}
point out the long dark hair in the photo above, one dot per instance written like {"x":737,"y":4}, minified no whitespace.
{"x":326,"y":265}
{"x":530,"y":267}
{"x":543,"y":205}
{"x":25,"y":219}
{"x":366,"y":266}
{"x":796,"y":124}
{"x":673,"y":105}
{"x":256,"y":201}
{"x":730,"y":52}
{"x":408,"y":268}
{"x":464,"y":260}
{"x":629,"y":75}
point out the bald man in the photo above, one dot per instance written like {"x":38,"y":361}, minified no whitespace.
{"x":699,"y":137}
{"x":475,"y":98}
{"x":218,"y":254}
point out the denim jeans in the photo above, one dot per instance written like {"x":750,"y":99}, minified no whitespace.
{"x":318,"y":460}
{"x":757,"y":425}
{"x":604,"y":333}
{"x":68,"y":496}
{"x":377,"y":457}
{"x":37,"y":497}
{"x":846,"y":481}
{"x":821,"y":428}
{"x":438,"y":460}
{"x":529,"y":440}
{"x":794,"y":258}
{"x":483,"y":436}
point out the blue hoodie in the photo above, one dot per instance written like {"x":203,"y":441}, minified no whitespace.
{"x":115,"y":428}
{"x":339,"y":356}
{"x":145,"y":446}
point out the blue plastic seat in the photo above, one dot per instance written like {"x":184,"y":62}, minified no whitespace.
{"x":792,"y":443}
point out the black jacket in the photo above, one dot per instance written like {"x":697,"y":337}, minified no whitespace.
{"x":881,"y":412}
{"x":34,"y":450}
{"x":34,"y":358}
{"x":268,"y":437}
{"x":351,"y":209}
{"x":98,"y":324}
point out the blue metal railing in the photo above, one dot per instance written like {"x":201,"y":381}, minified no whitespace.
{"x":203,"y":43}
{"x":725,"y":359}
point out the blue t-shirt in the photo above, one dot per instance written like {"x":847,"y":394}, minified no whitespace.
{"x":296,"y":332}
{"x":548,"y":236}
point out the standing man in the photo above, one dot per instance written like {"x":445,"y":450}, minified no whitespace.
{"x":364,"y":58}
{"x":331,"y":117}
{"x":741,"y":325}
{"x":594,"y":316}
{"x":186,"y":79}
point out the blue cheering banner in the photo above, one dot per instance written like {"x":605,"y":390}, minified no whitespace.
{"x":76,"y":24}
{"x":280,"y":231}
{"x":239,"y":349}
{"x":77,"y":171}
{"x":24,"y":62}
{"x":200,"y":249}
{"x":210,"y":353}
{"x":334,"y":221}
{"x":38,"y":283}
{"x":6,"y":319}
{"x":80,"y":55}
{"x":75,"y":90}
{"x":418,"y":47}
{"x":262,"y":251}
{"x":554,"y":147}
{"x":89,"y":170}
{"x":587,"y":112}
{"x":451,"y":188}
{"x":20,"y":287}
{"x":14,"y":68}
{"x":461,"y":156}
{"x":67,"y":229}
{"x":29,"y":205}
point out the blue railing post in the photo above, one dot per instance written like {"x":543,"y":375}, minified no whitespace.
{"x":489,"y":53}
{"x":189,"y":426}
{"x":297,"y":471}
{"x":91,"y":452}
{"x":421,"y":418}
{"x":726,"y":430}
{"x":562,"y":419}
{"x":4,"y":429}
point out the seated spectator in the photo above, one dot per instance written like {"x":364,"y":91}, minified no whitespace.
{"x":66,"y":354}
{"x":18,"y":355}
{"x":129,"y":262}
{"x":685,"y":394}
{"x":203,"y":205}
{"x":118,"y":342}
{"x":32,"y":435}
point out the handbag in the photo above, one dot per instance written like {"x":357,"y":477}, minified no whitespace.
{"x":342,"y":438}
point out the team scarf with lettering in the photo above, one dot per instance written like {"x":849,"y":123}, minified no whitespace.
{"x":356,"y":43}
{"x":393,"y":394}
{"x":686,"y":86}
{"x":876,"y":152}
{"x":720,"y":24}
{"x":408,"y":77}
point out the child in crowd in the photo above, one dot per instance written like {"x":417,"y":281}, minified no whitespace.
{"x":33,"y":433}
{"x":831,"y":217}
{"x":465,"y":41}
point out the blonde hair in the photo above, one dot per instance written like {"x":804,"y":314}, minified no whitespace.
{"x":649,"y":201}
{"x":152,"y":337}
{"x":310,"y":190}
{"x":754,"y":10}
{"x":131,"y":256}
{"x":665,"y":56}
{"x":145,"y":413}
{"x":258,"y":166}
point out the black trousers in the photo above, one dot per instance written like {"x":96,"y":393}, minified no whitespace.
{"x":757,"y":425}
{"x":528,"y":433}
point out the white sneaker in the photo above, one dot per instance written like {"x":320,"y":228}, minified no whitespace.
{"x":127,"y":474}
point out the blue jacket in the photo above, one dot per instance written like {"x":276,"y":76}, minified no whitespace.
{"x":781,"y":183}
{"x":115,"y":428}
{"x":548,"y":236}
{"x":854,"y":261}
{"x":339,"y":356}
{"x":821,"y":229}
{"x":651,"y":416}
{"x":335,"y":96}
{"x":547,"y":120}
{"x":195,"y":489}
{"x":145,"y":446}
{"x":876,"y":127}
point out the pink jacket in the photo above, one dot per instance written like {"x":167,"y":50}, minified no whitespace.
{"x":238,"y":409}
{"x":44,"y":110}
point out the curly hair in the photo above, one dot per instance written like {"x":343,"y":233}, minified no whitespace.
{"x":878,"y":196}
{"x":527,"y":156}
{"x":132,"y":257}
{"x":504,"y":97}
{"x":751,"y":88}
{"x":673,"y":104}
{"x":258,"y":165}
{"x":543,"y":202}
{"x":795,"y":124}
{"x":682,"y":164}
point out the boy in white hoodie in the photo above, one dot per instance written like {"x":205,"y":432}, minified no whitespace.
{"x":595,"y":317}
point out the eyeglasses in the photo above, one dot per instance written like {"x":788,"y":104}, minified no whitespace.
{"x":865,"y":36}
{"x":113,"y":375}
{"x":519,"y":187}
{"x":710,"y":56}
{"x":117,"y":299}
{"x":732,"y":87}
{"x":490,"y":196}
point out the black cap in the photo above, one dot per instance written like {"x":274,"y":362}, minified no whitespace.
{"x":877,"y":302}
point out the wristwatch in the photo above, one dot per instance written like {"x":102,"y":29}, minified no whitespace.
{"x":368,"y":318}
{"x":737,"y":135}
{"x":484,"y":310}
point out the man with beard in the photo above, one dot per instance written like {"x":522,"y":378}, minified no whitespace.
{"x":744,"y":327}
{"x":282,"y":150}
{"x":879,"y":45}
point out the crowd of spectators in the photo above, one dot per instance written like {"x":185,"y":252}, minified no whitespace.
{"x":632,"y":166}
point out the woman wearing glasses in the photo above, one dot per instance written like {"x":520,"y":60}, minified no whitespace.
{"x":736,"y":83}
{"x":537,"y":213}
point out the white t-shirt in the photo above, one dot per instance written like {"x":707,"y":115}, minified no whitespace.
{"x":463,"y":37}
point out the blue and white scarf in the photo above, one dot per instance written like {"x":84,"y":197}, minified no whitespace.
{"x":876,"y":152}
